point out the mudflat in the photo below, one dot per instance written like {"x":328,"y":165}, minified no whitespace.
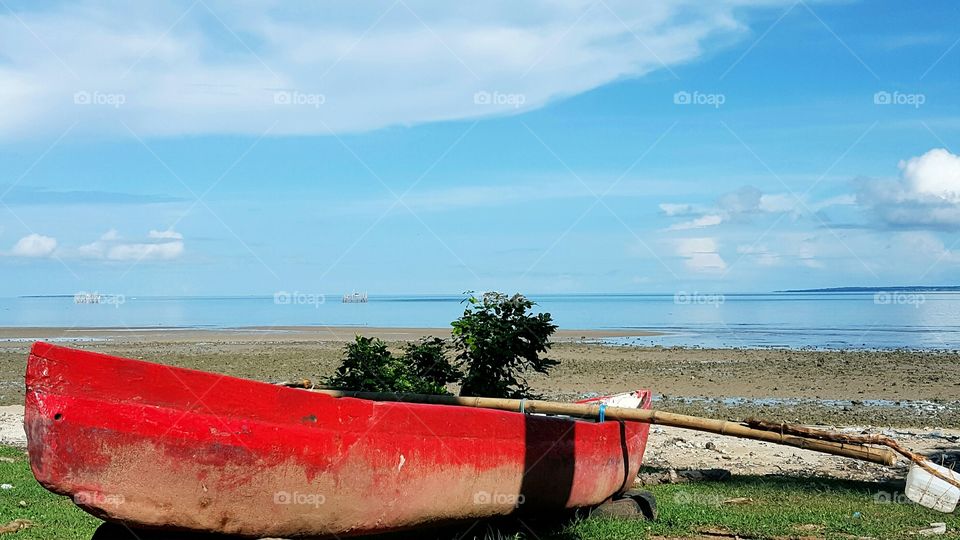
{"x":878,"y":388}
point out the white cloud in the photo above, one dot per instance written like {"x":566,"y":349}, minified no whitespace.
{"x":136,"y":252}
{"x":760,"y":254}
{"x":700,"y":254}
{"x":923,"y":245}
{"x":672,"y":210}
{"x":97,"y":248}
{"x":740,"y":205}
{"x":345,"y":66}
{"x":167,"y":234}
{"x":165,"y":245}
{"x":34,"y":245}
{"x":520,"y":190}
{"x":779,"y":203}
{"x":847,"y":199}
{"x":934,"y":174}
{"x":750,"y":200}
{"x":808,"y":257}
{"x":927,"y":194}
{"x":701,"y":222}
{"x":112,"y":234}
{"x":742,"y":201}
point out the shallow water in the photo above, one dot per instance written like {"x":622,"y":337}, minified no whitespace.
{"x":790,"y":320}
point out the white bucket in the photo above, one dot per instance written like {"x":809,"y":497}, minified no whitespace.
{"x":927,"y":490}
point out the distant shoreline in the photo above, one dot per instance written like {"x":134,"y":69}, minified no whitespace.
{"x":21,"y":334}
{"x":938,"y":288}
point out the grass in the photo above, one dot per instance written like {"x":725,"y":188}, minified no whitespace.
{"x":53,"y":517}
{"x":778,"y":507}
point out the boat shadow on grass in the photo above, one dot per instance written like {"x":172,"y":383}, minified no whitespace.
{"x":745,"y":506}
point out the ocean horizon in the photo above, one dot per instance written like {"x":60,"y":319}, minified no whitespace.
{"x":897,"y":318}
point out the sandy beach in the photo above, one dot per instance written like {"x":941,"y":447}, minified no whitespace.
{"x":875,"y":388}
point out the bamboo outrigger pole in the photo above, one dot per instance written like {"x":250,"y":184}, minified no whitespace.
{"x":883,"y":456}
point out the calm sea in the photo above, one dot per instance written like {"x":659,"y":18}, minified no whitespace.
{"x":928,"y":320}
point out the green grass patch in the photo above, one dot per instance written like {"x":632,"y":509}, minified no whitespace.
{"x":53,"y":517}
{"x":778,"y":507}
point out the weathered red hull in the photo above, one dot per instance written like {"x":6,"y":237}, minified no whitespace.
{"x":156,"y":446}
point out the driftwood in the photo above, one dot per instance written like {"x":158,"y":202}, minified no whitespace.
{"x":301,"y":383}
{"x":849,"y":438}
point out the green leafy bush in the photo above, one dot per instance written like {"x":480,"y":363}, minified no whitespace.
{"x":498,"y":340}
{"x":369,"y":366}
{"x":427,"y":360}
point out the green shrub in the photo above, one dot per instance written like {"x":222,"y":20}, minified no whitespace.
{"x":498,"y":340}
{"x":369,"y":366}
{"x":427,"y":359}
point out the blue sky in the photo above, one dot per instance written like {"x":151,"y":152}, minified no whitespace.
{"x":189,"y":148}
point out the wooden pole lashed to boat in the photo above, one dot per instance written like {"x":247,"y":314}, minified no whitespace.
{"x":882,"y":456}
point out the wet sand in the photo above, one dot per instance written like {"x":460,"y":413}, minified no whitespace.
{"x":888,"y":389}
{"x":256,"y":334}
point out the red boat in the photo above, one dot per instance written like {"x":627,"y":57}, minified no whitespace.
{"x":158,"y":447}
